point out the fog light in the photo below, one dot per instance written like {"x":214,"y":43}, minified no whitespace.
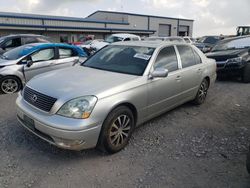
{"x":69,"y":144}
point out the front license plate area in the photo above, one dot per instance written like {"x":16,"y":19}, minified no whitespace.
{"x":29,"y":122}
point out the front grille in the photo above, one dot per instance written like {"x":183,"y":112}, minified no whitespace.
{"x":38,"y":100}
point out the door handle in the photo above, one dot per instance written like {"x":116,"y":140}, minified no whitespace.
{"x":178,"y":78}
{"x":199,"y":70}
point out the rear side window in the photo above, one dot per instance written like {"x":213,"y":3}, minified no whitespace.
{"x":43,"y":55}
{"x":28,"y":40}
{"x":127,"y":39}
{"x":135,"y":39}
{"x":65,"y":53}
{"x":167,"y":59}
{"x":197,"y":57}
{"x":187,"y":56}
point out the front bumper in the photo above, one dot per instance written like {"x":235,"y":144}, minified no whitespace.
{"x":232,"y":69}
{"x":47,"y":127}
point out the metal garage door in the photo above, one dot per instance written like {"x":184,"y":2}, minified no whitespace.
{"x":164,"y":30}
{"x":183,"y":30}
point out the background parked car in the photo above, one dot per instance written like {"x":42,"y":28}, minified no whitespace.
{"x":115,"y":38}
{"x":206,"y":43}
{"x":232,"y":56}
{"x":166,"y":39}
{"x":119,"y":87}
{"x":19,"y":65}
{"x":12,"y":41}
{"x":87,"y":46}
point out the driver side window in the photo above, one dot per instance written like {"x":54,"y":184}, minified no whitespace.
{"x":12,"y":43}
{"x":167,"y":59}
{"x":43,"y":55}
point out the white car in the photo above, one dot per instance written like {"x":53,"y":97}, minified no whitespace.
{"x":165,"y":39}
{"x":115,"y":38}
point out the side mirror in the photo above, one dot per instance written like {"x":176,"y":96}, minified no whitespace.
{"x":159,"y":73}
{"x":29,"y":63}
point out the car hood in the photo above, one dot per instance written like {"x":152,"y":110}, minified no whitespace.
{"x":5,"y":62}
{"x":80,"y":81}
{"x":225,"y":54}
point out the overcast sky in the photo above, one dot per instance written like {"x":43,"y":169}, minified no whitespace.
{"x":211,"y":16}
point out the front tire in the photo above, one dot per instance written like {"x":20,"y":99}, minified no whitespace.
{"x":202,"y":93}
{"x":246,"y":74}
{"x":117,"y":130}
{"x":9,"y":85}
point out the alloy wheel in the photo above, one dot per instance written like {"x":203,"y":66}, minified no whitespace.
{"x":119,"y":130}
{"x":203,"y":91}
{"x":9,"y":86}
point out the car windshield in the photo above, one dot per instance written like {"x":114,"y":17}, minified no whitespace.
{"x":14,"y":54}
{"x":122,"y":59}
{"x":232,"y":44}
{"x":112,"y":39}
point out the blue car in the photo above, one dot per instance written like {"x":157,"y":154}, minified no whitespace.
{"x":19,"y":65}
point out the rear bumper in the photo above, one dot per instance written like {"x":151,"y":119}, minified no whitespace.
{"x":85,"y":138}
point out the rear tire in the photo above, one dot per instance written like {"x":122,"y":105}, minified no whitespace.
{"x":246,"y":74}
{"x":117,"y":130}
{"x":10,"y":84}
{"x":202,"y":93}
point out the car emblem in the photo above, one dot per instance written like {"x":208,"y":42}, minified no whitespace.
{"x":34,"y":98}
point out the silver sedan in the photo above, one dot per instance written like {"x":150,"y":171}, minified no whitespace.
{"x":120,"y":87}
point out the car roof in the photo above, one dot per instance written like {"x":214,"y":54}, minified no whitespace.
{"x":150,"y":44}
{"x":233,"y":38}
{"x":124,"y":35}
{"x":29,"y":48}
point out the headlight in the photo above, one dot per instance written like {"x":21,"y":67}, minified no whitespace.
{"x":234,"y":60}
{"x":79,"y":108}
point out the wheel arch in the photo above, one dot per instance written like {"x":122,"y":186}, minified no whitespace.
{"x":15,"y":76}
{"x":130,"y":106}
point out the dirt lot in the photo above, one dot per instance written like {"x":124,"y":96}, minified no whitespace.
{"x":188,"y":147}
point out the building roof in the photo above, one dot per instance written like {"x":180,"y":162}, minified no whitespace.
{"x":135,"y":14}
{"x":59,"y":18}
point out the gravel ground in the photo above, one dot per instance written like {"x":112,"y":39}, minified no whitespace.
{"x":190,"y":146}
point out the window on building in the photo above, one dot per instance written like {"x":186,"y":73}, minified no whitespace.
{"x":167,"y":59}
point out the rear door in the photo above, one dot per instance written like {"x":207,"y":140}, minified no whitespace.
{"x":42,"y":61}
{"x":164,"y":92}
{"x":191,"y":72}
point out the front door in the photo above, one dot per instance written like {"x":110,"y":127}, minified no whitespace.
{"x":42,"y":61}
{"x":164,"y":92}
